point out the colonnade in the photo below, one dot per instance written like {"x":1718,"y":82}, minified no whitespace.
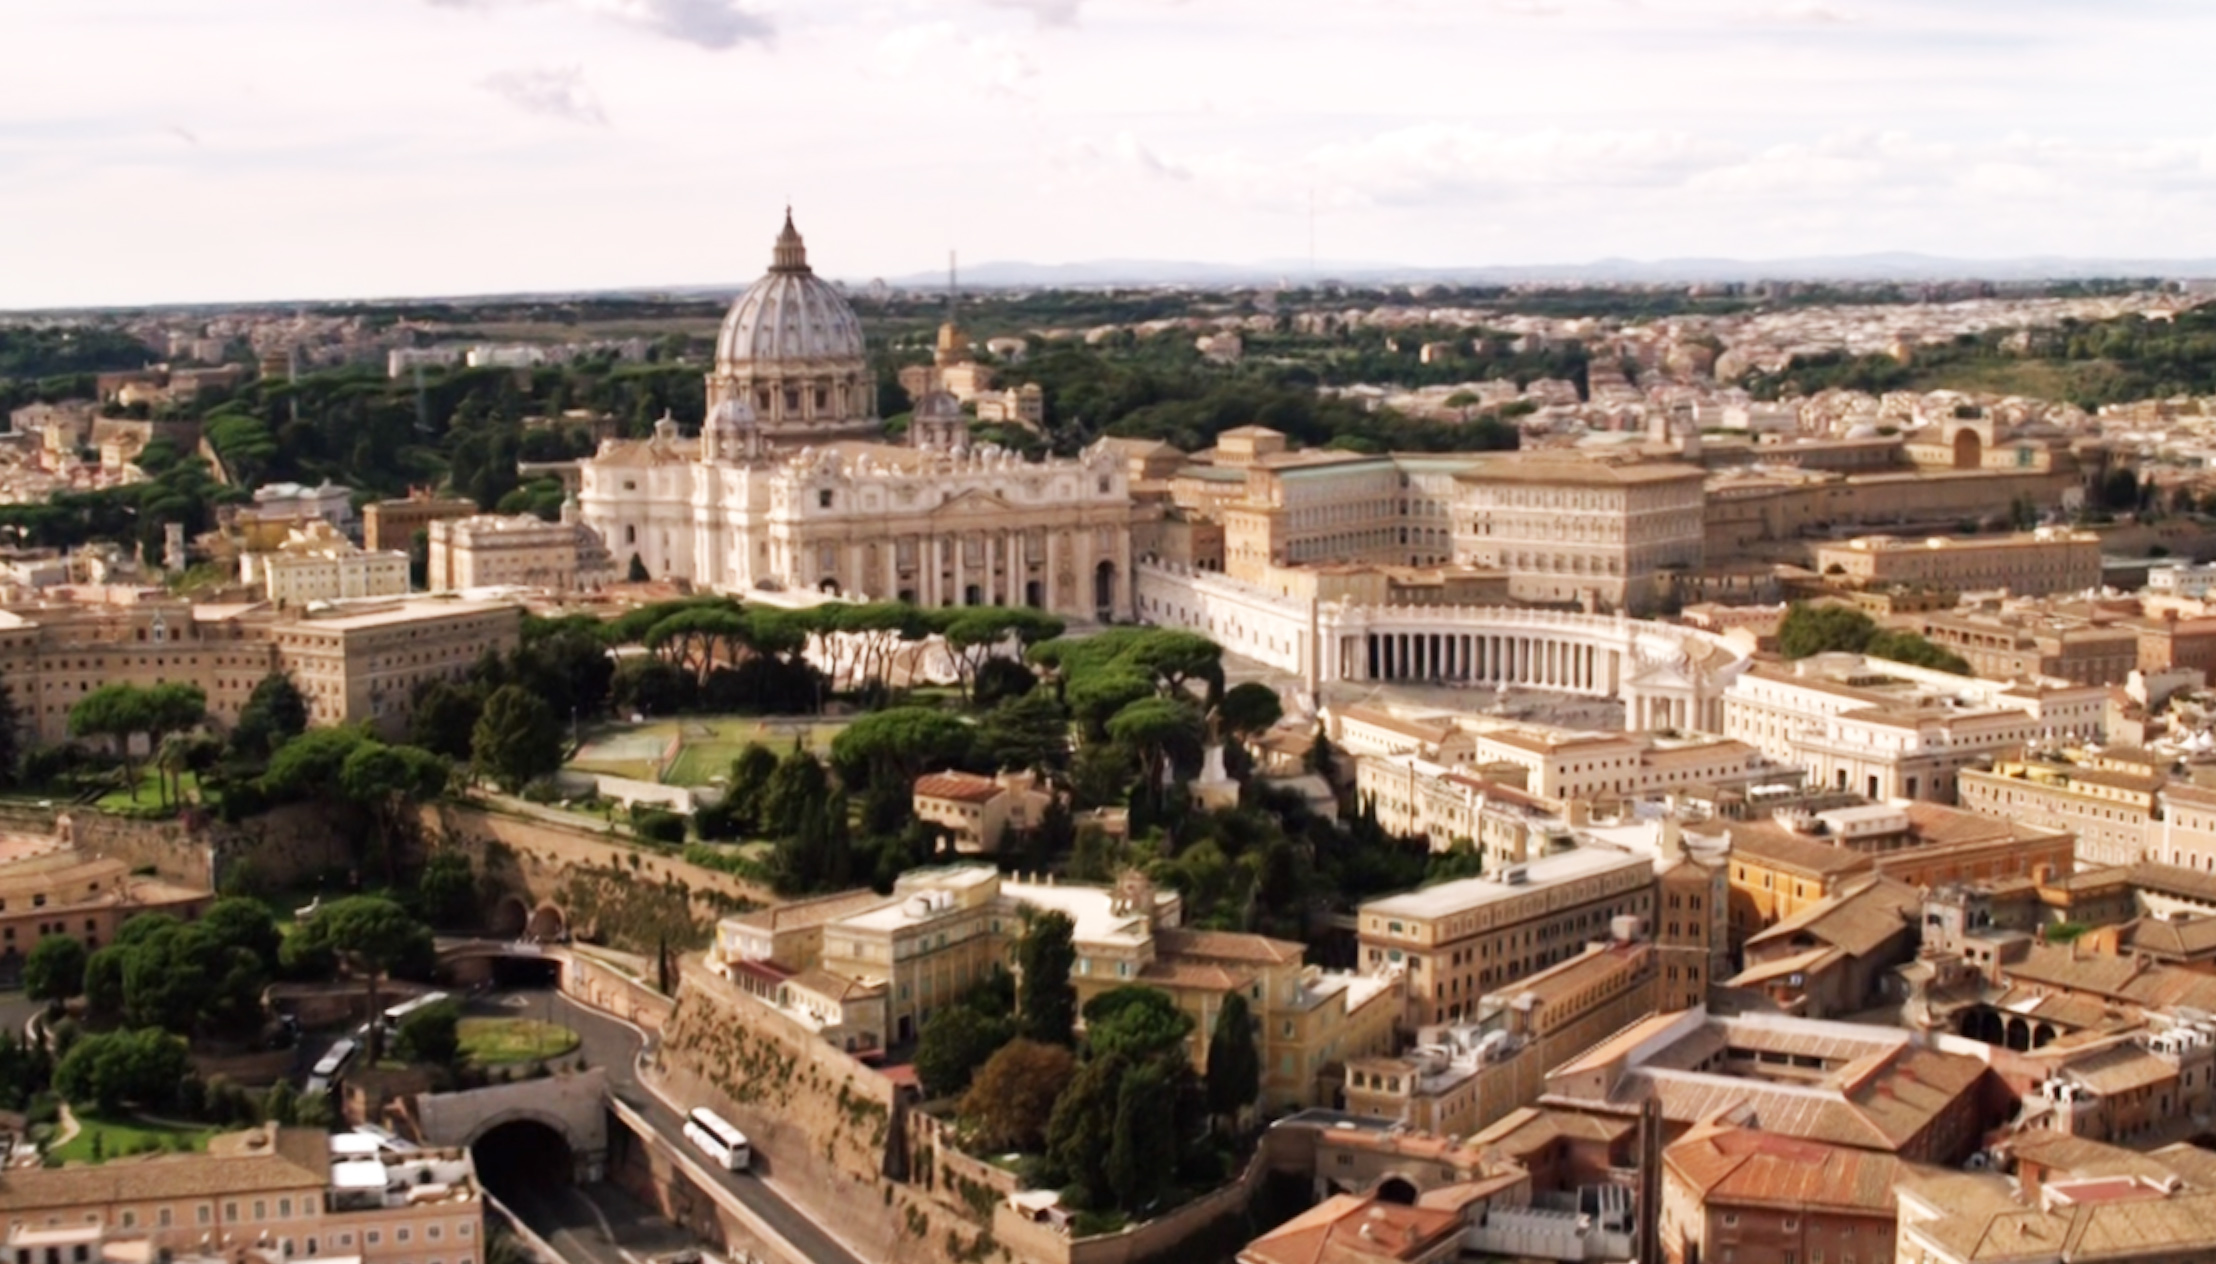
{"x":1485,"y":658}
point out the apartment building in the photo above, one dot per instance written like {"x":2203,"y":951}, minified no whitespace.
{"x":365,"y":664}
{"x":1785,"y":865}
{"x":1870,"y":1088}
{"x":308,"y":1194}
{"x":887,"y":963}
{"x":2170,"y":643}
{"x":1461,"y":1077}
{"x":316,"y":563}
{"x":2114,"y":814}
{"x":1751,"y":1196}
{"x":1303,"y":508}
{"x":2015,"y":647}
{"x":2049,"y":560}
{"x":1888,"y":730}
{"x":1460,"y":940}
{"x":977,"y":811}
{"x":1416,"y":798}
{"x":518,"y":550}
{"x":2094,"y":1202}
{"x":390,"y":525}
{"x":1568,"y":530}
{"x":1558,"y":769}
{"x":49,"y":887}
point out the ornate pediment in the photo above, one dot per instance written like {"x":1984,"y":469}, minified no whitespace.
{"x":974,"y":501}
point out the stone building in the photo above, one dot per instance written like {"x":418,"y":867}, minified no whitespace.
{"x":2049,"y":560}
{"x":316,"y":563}
{"x":518,"y":550}
{"x":392,"y":524}
{"x":787,"y":487}
{"x":1575,"y":531}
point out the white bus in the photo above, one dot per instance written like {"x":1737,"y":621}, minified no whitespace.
{"x":722,"y":1142}
{"x":327,"y":1068}
{"x":397,"y":1014}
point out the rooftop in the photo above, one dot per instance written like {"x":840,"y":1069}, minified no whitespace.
{"x":1467,"y":893}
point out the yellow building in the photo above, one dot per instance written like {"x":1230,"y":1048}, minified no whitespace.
{"x":1460,"y":940}
{"x":517,"y":550}
{"x":317,"y":563}
{"x":306,"y":1194}
{"x":2049,"y":560}
{"x":392,"y":524}
{"x":975,"y":811}
{"x":2114,"y":814}
{"x":354,"y":665}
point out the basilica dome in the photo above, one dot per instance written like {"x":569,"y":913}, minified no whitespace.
{"x":791,"y":350}
{"x":790,"y":314}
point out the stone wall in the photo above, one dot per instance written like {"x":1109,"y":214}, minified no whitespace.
{"x":609,"y":889}
{"x":286,"y":846}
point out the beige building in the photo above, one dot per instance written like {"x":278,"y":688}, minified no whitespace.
{"x":357,"y":665}
{"x":49,"y":887}
{"x":886,"y":964}
{"x":1461,"y":940}
{"x":390,"y":525}
{"x":2049,"y":560}
{"x":1756,"y":1197}
{"x":517,"y":550}
{"x":975,"y":811}
{"x":1580,"y":531}
{"x":296,"y":1189}
{"x":1887,"y":730}
{"x":317,"y":563}
{"x":2114,"y":814}
{"x":1558,"y":769}
{"x":1461,"y":1078}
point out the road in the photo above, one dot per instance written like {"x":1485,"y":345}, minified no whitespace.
{"x":596,"y":1224}
{"x":615,"y":1046}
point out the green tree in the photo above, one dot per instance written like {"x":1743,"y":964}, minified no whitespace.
{"x":445,"y":718}
{"x":1031,"y":731}
{"x":750,"y":777}
{"x":1250,"y":708}
{"x":898,"y":744}
{"x":1082,"y":1128}
{"x":1234,"y":1064}
{"x":1163,"y":732}
{"x":372,"y":935}
{"x":275,"y":713}
{"x":432,"y":1034}
{"x":1142,"y":1150}
{"x":516,"y":739}
{"x":1046,"y":1000}
{"x":108,"y":1069}
{"x":1137,"y":1023}
{"x":447,"y":889}
{"x":1011,"y":1098}
{"x":55,"y":969}
{"x":797,"y":783}
{"x":955,"y":1043}
{"x":1820,"y":629}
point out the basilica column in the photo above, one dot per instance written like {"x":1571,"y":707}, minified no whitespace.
{"x":1053,"y":553}
{"x":961,"y":568}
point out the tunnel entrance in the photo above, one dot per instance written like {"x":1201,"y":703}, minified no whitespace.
{"x":521,"y":1156}
{"x":526,"y":972}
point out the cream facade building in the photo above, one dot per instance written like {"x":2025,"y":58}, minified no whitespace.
{"x":786,"y":487}
{"x":495,"y":550}
{"x":317,"y":563}
{"x":1580,"y":531}
{"x":2049,"y":560}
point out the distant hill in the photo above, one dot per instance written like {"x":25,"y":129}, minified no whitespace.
{"x":1890,"y":266}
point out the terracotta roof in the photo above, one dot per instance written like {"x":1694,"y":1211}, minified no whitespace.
{"x":1859,"y":920}
{"x":1529,"y":468}
{"x":962,"y":787}
{"x":2176,"y":880}
{"x":235,"y":1163}
{"x":1349,"y":1228}
{"x":1770,"y":844}
{"x":834,"y":987}
{"x":1529,"y":1129}
{"x":1223,"y":945}
{"x":2163,"y":937}
{"x":1740,"y":1167}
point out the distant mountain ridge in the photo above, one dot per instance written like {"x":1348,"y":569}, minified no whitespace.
{"x":1880,"y":266}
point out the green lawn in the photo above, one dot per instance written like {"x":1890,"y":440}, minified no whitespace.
{"x":503,"y":1041}
{"x":149,"y":792}
{"x":710,"y":744}
{"x":120,"y":1137}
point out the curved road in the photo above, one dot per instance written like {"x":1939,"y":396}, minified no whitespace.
{"x":616,"y":1046}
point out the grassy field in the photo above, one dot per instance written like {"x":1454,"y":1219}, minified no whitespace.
{"x":149,"y":792}
{"x":710,"y":743}
{"x":119,"y":1137}
{"x":505,"y":1041}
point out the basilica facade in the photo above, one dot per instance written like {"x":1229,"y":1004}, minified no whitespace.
{"x":790,"y":486}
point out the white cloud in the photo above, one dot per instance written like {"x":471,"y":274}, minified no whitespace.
{"x":553,"y":92}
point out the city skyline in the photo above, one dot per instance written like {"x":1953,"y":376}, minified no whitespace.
{"x":246,"y":149}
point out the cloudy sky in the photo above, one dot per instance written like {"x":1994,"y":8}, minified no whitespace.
{"x":173,"y":150}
